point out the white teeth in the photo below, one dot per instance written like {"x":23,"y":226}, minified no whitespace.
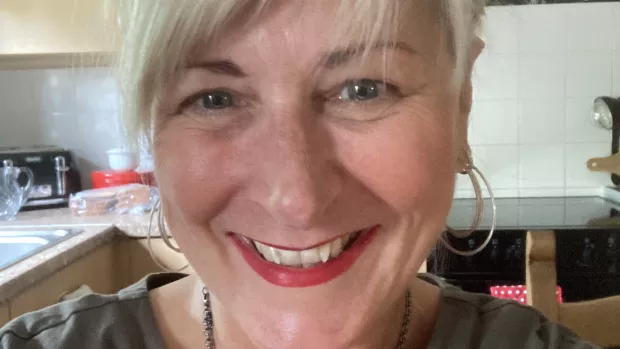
{"x":306,"y":258}
{"x":290,"y":258}
{"x":324,"y":252}
{"x":310,"y":257}
{"x":271,"y":254}
{"x":336,"y":248}
{"x":276,"y":255}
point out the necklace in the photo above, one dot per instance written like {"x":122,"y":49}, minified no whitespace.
{"x":210,"y":339}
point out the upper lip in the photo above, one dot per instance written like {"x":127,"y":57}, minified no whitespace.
{"x":289,"y":248}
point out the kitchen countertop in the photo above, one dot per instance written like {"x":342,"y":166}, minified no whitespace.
{"x":561,"y":213}
{"x":133,"y":226}
{"x":97,"y":231}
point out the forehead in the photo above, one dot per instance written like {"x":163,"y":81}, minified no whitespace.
{"x":304,"y":30}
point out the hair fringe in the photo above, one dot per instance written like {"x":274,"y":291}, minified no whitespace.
{"x":152,"y":51}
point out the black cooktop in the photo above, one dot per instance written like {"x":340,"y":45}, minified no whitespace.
{"x":540,"y":213}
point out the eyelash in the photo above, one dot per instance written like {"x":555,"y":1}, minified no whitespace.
{"x":390,"y":89}
{"x":390,"y":92}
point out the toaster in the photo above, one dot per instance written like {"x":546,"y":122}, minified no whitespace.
{"x":55,"y":174}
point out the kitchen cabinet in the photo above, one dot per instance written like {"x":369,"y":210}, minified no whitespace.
{"x":105,"y":270}
{"x":5,"y":315}
{"x":59,"y":32}
{"x":141,"y":262}
{"x":96,"y":270}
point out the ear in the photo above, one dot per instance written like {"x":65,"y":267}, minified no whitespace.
{"x":463,"y":151}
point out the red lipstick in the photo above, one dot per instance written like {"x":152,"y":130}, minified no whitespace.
{"x":285,"y":276}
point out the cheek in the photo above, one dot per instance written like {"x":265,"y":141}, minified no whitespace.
{"x":193,"y":172}
{"x":407,"y":159}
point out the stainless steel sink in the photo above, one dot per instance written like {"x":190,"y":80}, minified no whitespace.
{"x":16,"y":246}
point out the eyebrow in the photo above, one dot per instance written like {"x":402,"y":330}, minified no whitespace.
{"x":331,"y":60}
{"x":343,"y":56}
{"x":220,"y":67}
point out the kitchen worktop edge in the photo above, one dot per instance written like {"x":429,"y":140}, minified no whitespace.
{"x":95,"y":232}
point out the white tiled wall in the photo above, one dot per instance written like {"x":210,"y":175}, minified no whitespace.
{"x":72,"y":108}
{"x":531,"y":130}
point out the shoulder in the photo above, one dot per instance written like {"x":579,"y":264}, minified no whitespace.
{"x":484,"y":322}
{"x":72,"y":324}
{"x":93,"y":321}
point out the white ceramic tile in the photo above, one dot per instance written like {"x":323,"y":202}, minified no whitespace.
{"x":58,"y":91}
{"x":464,"y":194}
{"x":589,"y":73}
{"x":541,"y":192}
{"x":541,"y":120}
{"x":97,"y":90}
{"x":500,"y":29}
{"x":19,"y":91}
{"x":590,"y":26}
{"x":577,"y":173}
{"x":20,"y":128}
{"x":463,"y":183}
{"x":541,"y":201}
{"x":40,"y":106}
{"x":580,"y":126}
{"x":616,"y":27}
{"x":542,"y":28}
{"x":464,"y":190}
{"x":495,"y":76}
{"x":542,"y":75}
{"x":504,"y":193}
{"x":616,"y":76}
{"x":89,"y":136}
{"x":586,"y":192}
{"x":498,"y":163}
{"x":499,"y":193}
{"x":494,"y":122}
{"x":541,"y":166}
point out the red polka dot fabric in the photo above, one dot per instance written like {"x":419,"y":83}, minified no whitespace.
{"x":518,"y":293}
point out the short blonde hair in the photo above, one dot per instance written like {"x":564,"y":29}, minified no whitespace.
{"x":159,"y":36}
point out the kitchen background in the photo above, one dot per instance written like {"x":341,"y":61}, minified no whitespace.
{"x":531,"y":131}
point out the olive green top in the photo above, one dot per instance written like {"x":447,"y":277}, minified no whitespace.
{"x":126,"y":321}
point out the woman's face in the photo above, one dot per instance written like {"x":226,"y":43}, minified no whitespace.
{"x":273,"y":136}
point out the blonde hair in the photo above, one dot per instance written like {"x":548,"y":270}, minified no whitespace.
{"x":159,"y":36}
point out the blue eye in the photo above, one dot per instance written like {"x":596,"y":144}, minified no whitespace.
{"x":361,"y":90}
{"x":215,"y":100}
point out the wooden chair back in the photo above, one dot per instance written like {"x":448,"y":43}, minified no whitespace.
{"x":597,"y":321}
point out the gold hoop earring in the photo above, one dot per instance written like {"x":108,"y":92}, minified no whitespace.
{"x":157,"y":210}
{"x":473,"y":172}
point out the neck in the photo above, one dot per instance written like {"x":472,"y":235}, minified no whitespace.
{"x":182,"y":313}
{"x":380,"y":331}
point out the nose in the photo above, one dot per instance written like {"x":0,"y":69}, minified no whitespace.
{"x":301,"y":173}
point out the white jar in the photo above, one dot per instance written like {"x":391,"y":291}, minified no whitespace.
{"x":121,"y":159}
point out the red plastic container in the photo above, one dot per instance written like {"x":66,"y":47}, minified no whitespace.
{"x":107,"y":179}
{"x":518,"y":293}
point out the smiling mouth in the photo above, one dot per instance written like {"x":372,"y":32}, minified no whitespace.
{"x":310,"y":257}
